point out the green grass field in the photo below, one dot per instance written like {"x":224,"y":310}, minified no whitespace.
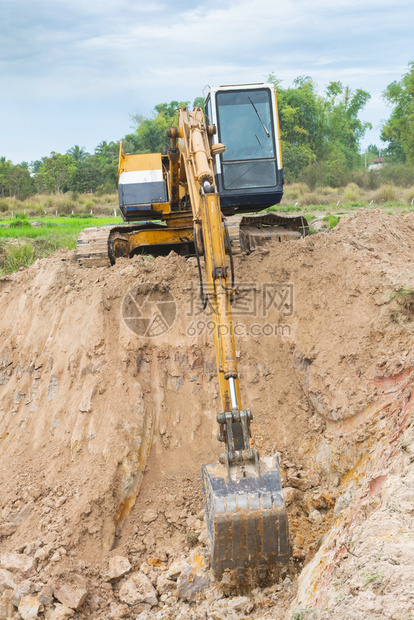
{"x":22,"y":226}
{"x":21,"y":243}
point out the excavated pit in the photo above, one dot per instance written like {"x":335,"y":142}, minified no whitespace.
{"x":103,"y":429}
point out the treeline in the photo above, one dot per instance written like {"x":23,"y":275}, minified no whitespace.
{"x":79,"y":171}
{"x":76,"y":171}
{"x":320,"y":136}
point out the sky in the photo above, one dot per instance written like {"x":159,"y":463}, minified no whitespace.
{"x":75,"y":72}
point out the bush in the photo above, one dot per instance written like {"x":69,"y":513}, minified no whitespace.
{"x":295,"y":159}
{"x":315,"y":198}
{"x":409,"y":195}
{"x":12,"y":257}
{"x":386,"y":193}
{"x":398,"y":174}
{"x":66,"y":204}
{"x":312,"y":175}
{"x":329,"y":191}
{"x":351,"y":192}
{"x":6,"y":204}
{"x":294,"y":191}
{"x":333,"y":173}
{"x":366,"y":179}
{"x":331,"y":219}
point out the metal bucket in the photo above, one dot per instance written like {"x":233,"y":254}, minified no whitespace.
{"x":246,"y":515}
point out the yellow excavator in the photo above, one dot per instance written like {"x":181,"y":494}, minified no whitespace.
{"x":224,"y":165}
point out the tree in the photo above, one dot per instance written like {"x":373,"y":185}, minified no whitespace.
{"x":20,"y":182}
{"x":55,"y":172}
{"x":318,"y":132}
{"x":15,"y":180}
{"x":107,"y":155}
{"x":86,"y":176}
{"x":198,"y":102}
{"x":150,"y":135}
{"x":398,"y":130}
{"x":373,"y":150}
{"x":5,"y":168}
{"x":300,"y":112}
{"x":77,"y":153}
{"x":344,"y":128}
{"x":36,"y":165}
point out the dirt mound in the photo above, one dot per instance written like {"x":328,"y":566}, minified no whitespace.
{"x":108,"y":410}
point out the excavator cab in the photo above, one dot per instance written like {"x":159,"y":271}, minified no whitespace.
{"x":249,"y":173}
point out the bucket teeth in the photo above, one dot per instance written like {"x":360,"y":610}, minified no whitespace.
{"x":246,"y":515}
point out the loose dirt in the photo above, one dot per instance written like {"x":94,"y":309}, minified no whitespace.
{"x":103,"y":431}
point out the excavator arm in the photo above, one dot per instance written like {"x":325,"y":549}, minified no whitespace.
{"x":245,"y":510}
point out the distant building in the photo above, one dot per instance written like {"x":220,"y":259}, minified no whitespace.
{"x":376,"y":164}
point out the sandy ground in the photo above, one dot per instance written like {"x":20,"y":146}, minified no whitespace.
{"x":103,"y":431}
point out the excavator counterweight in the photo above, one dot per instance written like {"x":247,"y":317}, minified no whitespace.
{"x":222,"y":161}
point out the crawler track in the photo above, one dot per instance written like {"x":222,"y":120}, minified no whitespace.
{"x":246,"y":232}
{"x":92,"y":246}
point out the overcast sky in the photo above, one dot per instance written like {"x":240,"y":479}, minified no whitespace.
{"x":73,"y":71}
